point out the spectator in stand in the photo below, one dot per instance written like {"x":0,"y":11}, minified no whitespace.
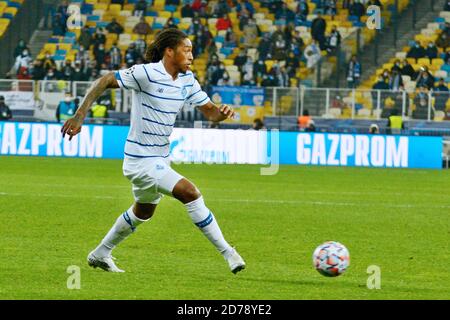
{"x":245,"y":4}
{"x":258,"y":124}
{"x":195,"y":27}
{"x":140,"y":8}
{"x":115,"y":56}
{"x":199,"y":7}
{"x":330,"y":7}
{"x":425,"y":79}
{"x":431,"y":51}
{"x":141,"y":47}
{"x":173,"y":2}
{"x":67,"y":71}
{"x":318,"y":27}
{"x":248,"y":80}
{"x":421,"y":103}
{"x":92,"y":75}
{"x":225,"y":80}
{"x":48,"y":62}
{"x":416,"y":51}
{"x":275,"y":5}
{"x":312,"y":54}
{"x":353,"y":72}
{"x":85,"y":38}
{"x":21,"y":46}
{"x":397,"y":66}
{"x":66,"y":108}
{"x":78,"y":74}
{"x":279,"y":48}
{"x":218,"y":74}
{"x":333,"y":40}
{"x":284,"y":13}
{"x":230,"y":39}
{"x":223,"y":23}
{"x":240,"y":60}
{"x":386,"y":74}
{"x":304,"y":119}
{"x":357,"y":9}
{"x":375,"y":3}
{"x":99,"y":38}
{"x":381,"y":84}
{"x":444,"y":40}
{"x":292,"y":64}
{"x":62,"y":9}
{"x":38,"y":71}
{"x":395,"y":82}
{"x":170,"y":24}
{"x":407,"y":69}
{"x":142,"y":27}
{"x":49,"y":11}
{"x":264,"y":47}
{"x":51,"y":75}
{"x":244,"y":18}
{"x":186,"y":11}
{"x":302,"y":10}
{"x":5,"y":111}
{"x":100,"y":54}
{"x":83,"y":57}
{"x":131,"y":55}
{"x":59,"y":25}
{"x":222,"y":8}
{"x":268,"y":81}
{"x":259,"y":70}
{"x":23,"y":62}
{"x":114,"y":27}
{"x":441,"y":95}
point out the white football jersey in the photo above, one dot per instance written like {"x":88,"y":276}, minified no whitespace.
{"x":157,"y":99}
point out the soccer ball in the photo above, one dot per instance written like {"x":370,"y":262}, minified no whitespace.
{"x":331,"y":259}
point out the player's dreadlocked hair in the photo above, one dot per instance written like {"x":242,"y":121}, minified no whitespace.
{"x":168,"y":38}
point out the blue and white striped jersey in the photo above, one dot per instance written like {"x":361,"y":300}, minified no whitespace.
{"x":157,"y":99}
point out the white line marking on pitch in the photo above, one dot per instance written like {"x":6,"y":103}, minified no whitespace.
{"x":212,"y":199}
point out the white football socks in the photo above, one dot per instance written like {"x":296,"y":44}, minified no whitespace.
{"x":125,"y":225}
{"x":203,"y":218}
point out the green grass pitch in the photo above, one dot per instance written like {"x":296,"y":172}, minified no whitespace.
{"x":55,"y":210}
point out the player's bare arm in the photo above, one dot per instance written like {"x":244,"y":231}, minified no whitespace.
{"x":216,"y":113}
{"x":73,"y":126}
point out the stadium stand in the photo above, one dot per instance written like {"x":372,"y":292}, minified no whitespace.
{"x":8,"y":10}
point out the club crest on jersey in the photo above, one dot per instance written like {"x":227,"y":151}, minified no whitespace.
{"x":184,"y":92}
{"x":160,"y":90}
{"x":130,"y":70}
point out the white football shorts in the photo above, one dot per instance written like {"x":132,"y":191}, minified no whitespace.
{"x":151,"y":178}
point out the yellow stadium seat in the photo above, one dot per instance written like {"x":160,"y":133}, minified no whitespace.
{"x":424,"y":62}
{"x":11,"y":10}
{"x":128,"y":6}
{"x":115,"y":8}
{"x":165,"y":14}
{"x":101,"y":6}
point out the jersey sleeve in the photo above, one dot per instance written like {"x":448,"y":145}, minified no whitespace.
{"x":197,"y":97}
{"x":133,"y":78}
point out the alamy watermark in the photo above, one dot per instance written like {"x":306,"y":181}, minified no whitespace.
{"x":374,"y":279}
{"x":74,"y":280}
{"x":374,"y":19}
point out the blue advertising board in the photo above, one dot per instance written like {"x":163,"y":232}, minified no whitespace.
{"x":240,"y":146}
{"x":385,"y":151}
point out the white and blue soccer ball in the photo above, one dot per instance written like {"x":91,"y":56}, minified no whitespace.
{"x":331,"y":259}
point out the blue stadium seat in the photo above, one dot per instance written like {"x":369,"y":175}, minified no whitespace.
{"x":8,"y":16}
{"x":53,"y":40}
{"x":170,"y":8}
{"x":60,"y":52}
{"x":151,"y":14}
{"x":14,"y":4}
{"x":87,"y":8}
{"x":157,"y":26}
{"x":93,"y":18}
